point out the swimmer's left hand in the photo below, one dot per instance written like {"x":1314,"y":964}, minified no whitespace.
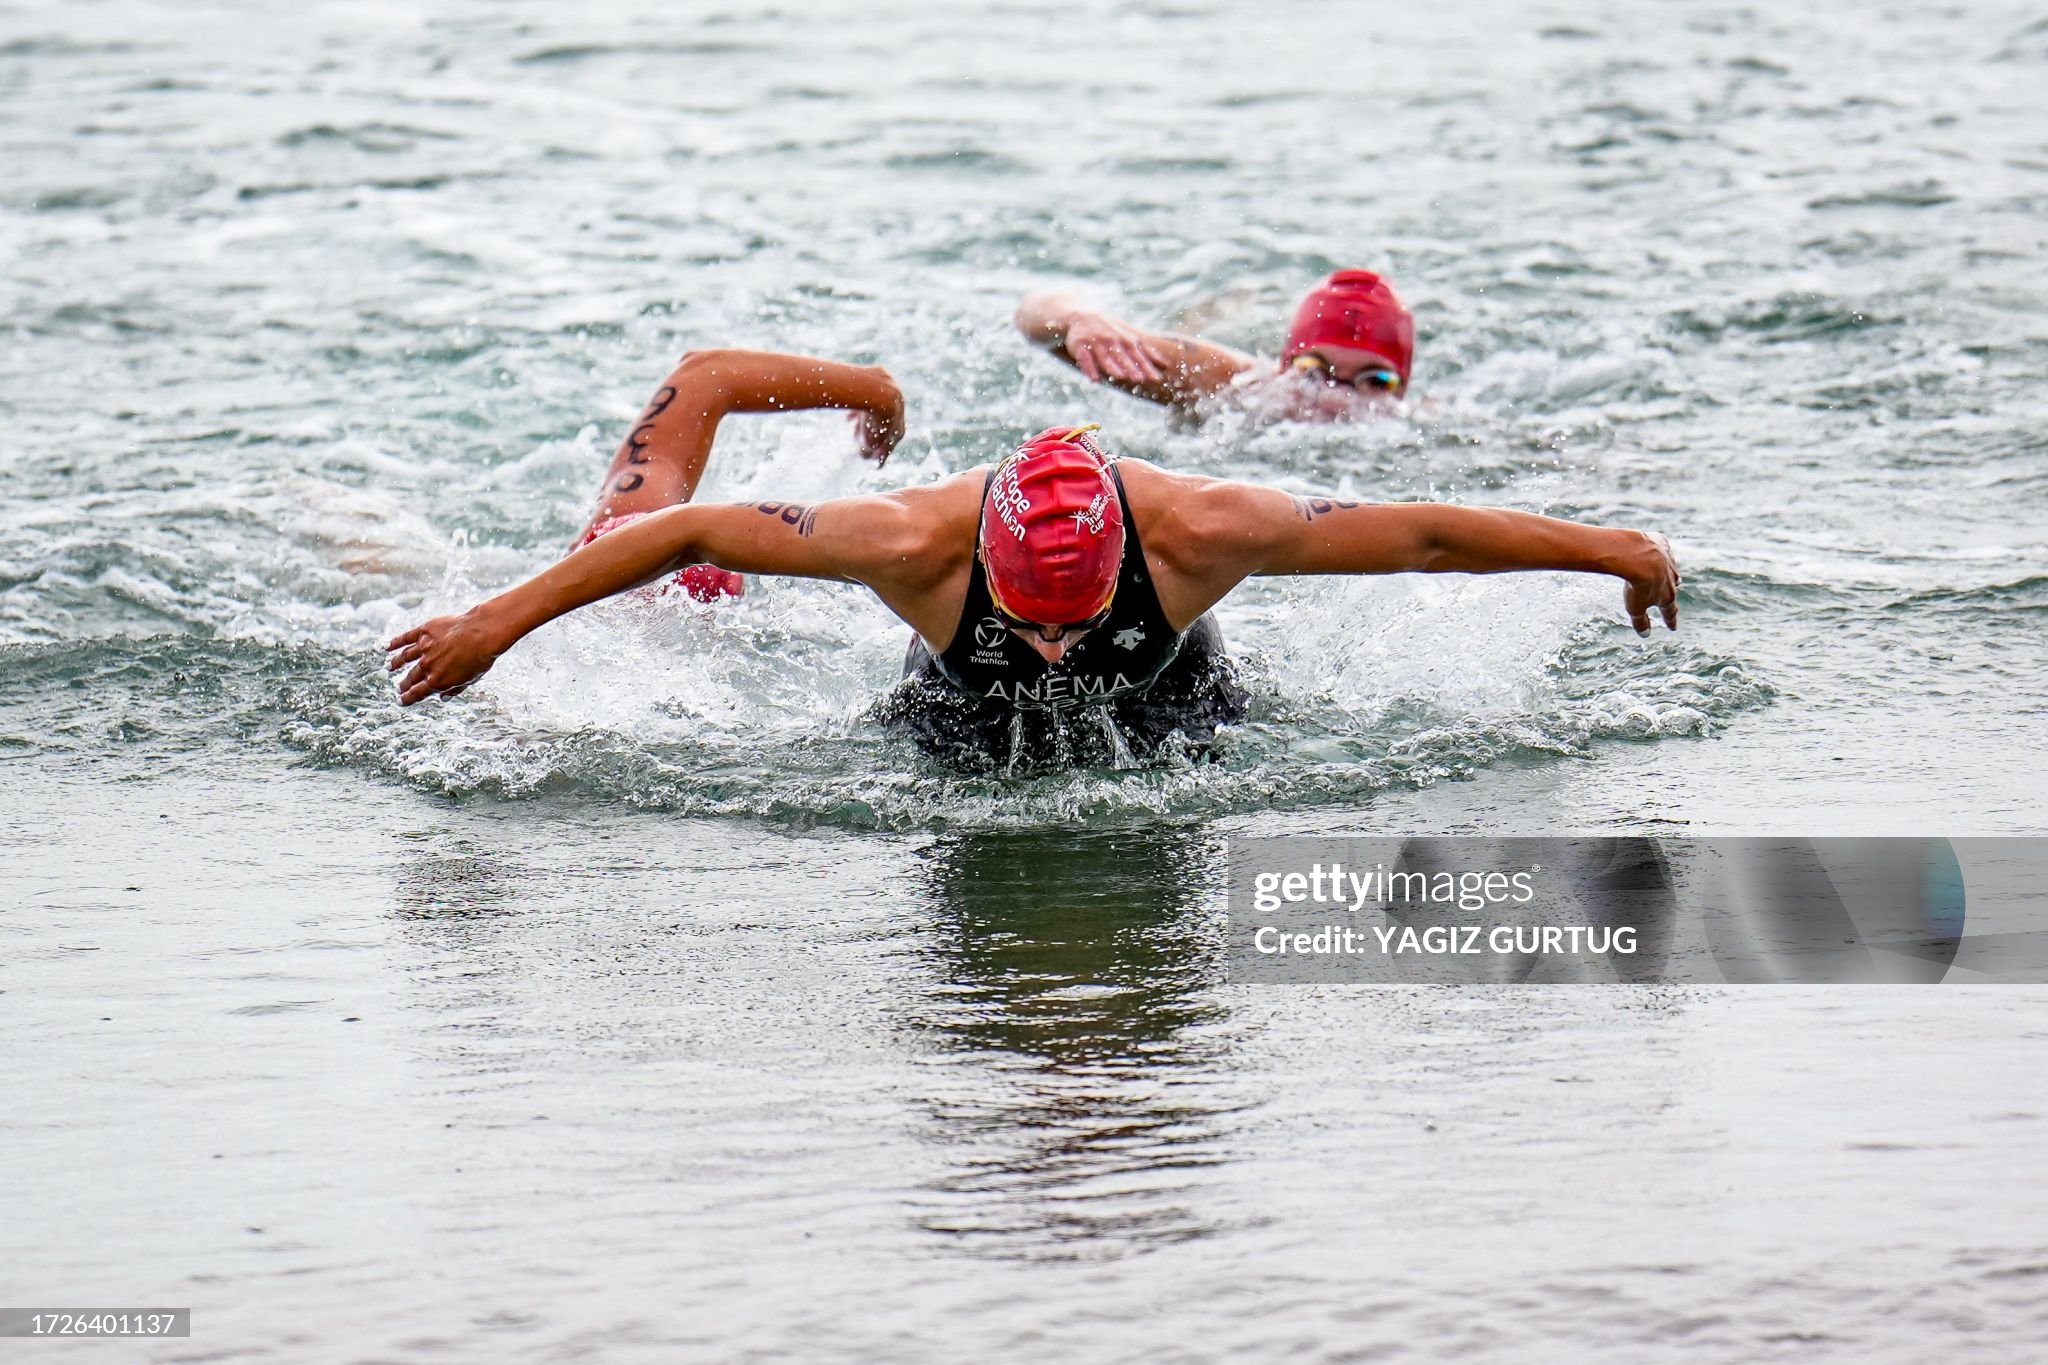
{"x":447,"y":654}
{"x":1653,"y":582}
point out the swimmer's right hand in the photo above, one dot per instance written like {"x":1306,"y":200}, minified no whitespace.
{"x":1103,"y":348}
{"x":447,"y":654}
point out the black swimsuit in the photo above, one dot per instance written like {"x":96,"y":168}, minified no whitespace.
{"x":989,"y":699}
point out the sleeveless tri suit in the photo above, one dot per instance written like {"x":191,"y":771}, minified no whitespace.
{"x":990,"y":700}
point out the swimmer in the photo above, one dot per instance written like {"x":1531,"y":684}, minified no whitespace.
{"x":1058,"y":585}
{"x":1349,"y":354}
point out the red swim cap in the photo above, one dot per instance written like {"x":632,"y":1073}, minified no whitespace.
{"x":1354,"y":308}
{"x":1052,"y":529}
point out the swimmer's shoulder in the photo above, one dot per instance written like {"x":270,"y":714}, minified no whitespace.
{"x":1148,"y":483}
{"x":1182,"y":516}
{"x":917,"y":553}
{"x":925,"y":532}
{"x":1159,"y":498}
{"x":952,"y":500}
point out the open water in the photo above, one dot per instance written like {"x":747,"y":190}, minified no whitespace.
{"x":651,"y":1003}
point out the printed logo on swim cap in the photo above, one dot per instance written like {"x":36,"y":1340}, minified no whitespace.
{"x":1091,"y":517}
{"x":1084,"y":438}
{"x":1008,"y":497}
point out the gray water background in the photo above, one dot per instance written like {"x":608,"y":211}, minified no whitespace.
{"x":650,"y":1003}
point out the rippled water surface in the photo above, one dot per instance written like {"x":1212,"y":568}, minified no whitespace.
{"x":652,"y":1002}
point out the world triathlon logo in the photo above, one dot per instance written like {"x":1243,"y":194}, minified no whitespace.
{"x":990,"y":632}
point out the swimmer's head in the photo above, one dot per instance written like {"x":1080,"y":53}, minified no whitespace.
{"x":1052,"y":530}
{"x":1354,"y":309}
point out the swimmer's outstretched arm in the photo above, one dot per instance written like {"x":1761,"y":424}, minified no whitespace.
{"x":662,"y":458}
{"x":886,"y":541}
{"x":1160,"y":366}
{"x":1221,"y":533}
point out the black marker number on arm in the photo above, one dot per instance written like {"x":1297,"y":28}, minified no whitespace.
{"x":1311,"y":508}
{"x":802,"y":516}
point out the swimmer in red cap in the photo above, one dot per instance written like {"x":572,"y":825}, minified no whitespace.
{"x":1350,"y":353}
{"x":1059,"y":597}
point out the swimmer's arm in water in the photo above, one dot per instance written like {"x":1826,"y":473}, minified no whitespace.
{"x":1162,"y":367}
{"x":1247,"y":530}
{"x":662,"y":459}
{"x":882,"y":540}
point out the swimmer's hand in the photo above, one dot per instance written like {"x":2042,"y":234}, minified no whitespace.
{"x":1652,"y":582}
{"x":1103,"y":348}
{"x":877,"y":429}
{"x":447,"y":654}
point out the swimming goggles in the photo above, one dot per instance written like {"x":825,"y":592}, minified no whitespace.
{"x":1051,"y":634}
{"x":1378,"y":379}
